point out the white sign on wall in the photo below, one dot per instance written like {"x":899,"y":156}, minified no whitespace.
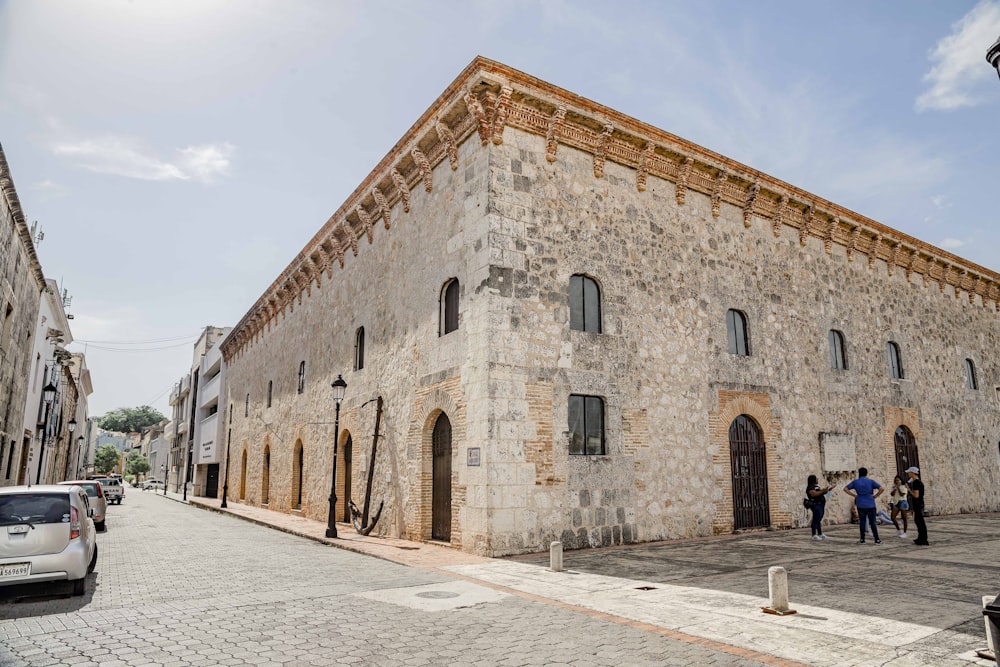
{"x":839,"y":452}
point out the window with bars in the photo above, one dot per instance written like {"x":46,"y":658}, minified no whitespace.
{"x":970,"y":375}
{"x":359,"y":349}
{"x":895,"y":361}
{"x":302,"y":376}
{"x":736,"y":332}
{"x":584,"y":304}
{"x":586,"y":425}
{"x":838,"y":352}
{"x":270,"y":387}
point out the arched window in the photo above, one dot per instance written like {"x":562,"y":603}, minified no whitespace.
{"x":970,"y":375}
{"x":736,"y":331}
{"x":265,"y":478}
{"x":302,"y":376}
{"x":449,"y":307}
{"x":586,"y":425}
{"x":895,"y":361}
{"x":246,"y":407}
{"x":584,"y":304}
{"x":243,"y":476}
{"x":838,"y":353}
{"x":270,"y":386}
{"x":359,"y":349}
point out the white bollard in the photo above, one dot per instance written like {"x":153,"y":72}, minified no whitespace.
{"x":777,"y":586}
{"x":555,"y":557}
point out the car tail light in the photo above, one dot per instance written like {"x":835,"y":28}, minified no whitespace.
{"x":74,"y":523}
{"x":100,"y":491}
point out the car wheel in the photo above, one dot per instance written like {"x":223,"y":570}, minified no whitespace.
{"x":101,"y":526}
{"x":93,"y":564}
{"x":79,"y":586}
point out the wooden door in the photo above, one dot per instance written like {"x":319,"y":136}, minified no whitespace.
{"x":441,"y":494}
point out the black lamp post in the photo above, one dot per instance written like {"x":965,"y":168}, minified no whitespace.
{"x":80,"y":456}
{"x":993,"y":56}
{"x":163,"y":469}
{"x":225,"y":484}
{"x":49,"y":394}
{"x":339,"y":388}
{"x":71,"y":426}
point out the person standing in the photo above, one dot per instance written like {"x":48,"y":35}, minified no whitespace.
{"x":865,"y":491}
{"x":917,"y":504}
{"x":898,"y":504}
{"x":817,"y":494}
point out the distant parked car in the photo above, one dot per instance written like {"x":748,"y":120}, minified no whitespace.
{"x":46,"y":534}
{"x":113,"y":489}
{"x":95,"y":495}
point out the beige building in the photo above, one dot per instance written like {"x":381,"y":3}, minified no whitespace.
{"x":21,"y":283}
{"x":588,"y":329}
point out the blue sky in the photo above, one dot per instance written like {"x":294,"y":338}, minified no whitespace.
{"x":179,"y":153}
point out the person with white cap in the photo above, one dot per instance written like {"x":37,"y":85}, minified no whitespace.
{"x":917,"y":504}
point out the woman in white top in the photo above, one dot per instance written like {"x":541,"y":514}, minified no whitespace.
{"x":898,"y":504}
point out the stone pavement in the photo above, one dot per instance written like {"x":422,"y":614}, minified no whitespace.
{"x":889,"y":604}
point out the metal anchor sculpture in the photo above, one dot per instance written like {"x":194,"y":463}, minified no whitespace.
{"x":360,"y":519}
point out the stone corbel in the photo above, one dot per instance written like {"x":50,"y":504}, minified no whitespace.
{"x":959,"y":284}
{"x":552,"y":136}
{"x":720,"y":179}
{"x":853,"y":245}
{"x":324,"y":261}
{"x":425,"y":168}
{"x":500,"y":111}
{"x":352,"y":239}
{"x":602,"y":148}
{"x":752,"y":193}
{"x":680,"y":188}
{"x":911,"y":266}
{"x":828,"y":241}
{"x":366,"y":222}
{"x":339,"y":254}
{"x":897,"y":250}
{"x":475,"y":108}
{"x":779,"y":216}
{"x":642,"y":171}
{"x":403,"y":188}
{"x":873,"y":249}
{"x":945,"y":268}
{"x":807,"y":219}
{"x":975,"y":289}
{"x":383,"y":206}
{"x":448,"y":139}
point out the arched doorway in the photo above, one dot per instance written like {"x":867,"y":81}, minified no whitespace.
{"x":243,"y":476}
{"x":347,"y":452}
{"x":441,"y":485}
{"x":297,"y":465}
{"x":265,"y":478}
{"x":906,"y":451}
{"x":748,"y":458}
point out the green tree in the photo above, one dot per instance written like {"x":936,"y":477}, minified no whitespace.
{"x":129,"y":420}
{"x":105,"y":459}
{"x":137,"y":464}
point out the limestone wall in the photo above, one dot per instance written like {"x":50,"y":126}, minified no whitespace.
{"x":668,"y":274}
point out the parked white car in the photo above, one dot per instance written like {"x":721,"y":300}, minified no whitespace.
{"x":113,"y":489}
{"x":95,"y":495}
{"x":151,"y":484}
{"x":46,"y":534}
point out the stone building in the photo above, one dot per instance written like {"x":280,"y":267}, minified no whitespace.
{"x":585,"y":328}
{"x":21,"y":283}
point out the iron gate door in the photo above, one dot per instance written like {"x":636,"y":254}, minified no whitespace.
{"x":906,"y":451}
{"x":441,"y":491}
{"x":749,"y":465}
{"x":212,"y":480}
{"x":348,"y":450}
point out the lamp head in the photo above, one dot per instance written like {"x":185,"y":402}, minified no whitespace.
{"x":339,"y":389}
{"x":49,"y":392}
{"x":72,"y":425}
{"x":993,"y":56}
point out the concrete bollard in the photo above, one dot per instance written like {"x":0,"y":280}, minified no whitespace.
{"x":991,"y":630}
{"x":555,"y":557}
{"x":777,"y":586}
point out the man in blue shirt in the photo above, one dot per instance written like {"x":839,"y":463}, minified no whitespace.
{"x":865,"y":491}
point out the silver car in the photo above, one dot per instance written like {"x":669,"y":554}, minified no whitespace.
{"x":98,"y":502}
{"x":46,"y":534}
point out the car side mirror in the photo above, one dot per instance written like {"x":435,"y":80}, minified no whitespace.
{"x":90,"y":512}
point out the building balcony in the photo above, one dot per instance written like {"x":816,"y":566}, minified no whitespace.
{"x":208,"y":394}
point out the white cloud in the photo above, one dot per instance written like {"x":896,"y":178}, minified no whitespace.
{"x":126,"y":156}
{"x":960,"y":60}
{"x":951,"y":244}
{"x":49,"y":190}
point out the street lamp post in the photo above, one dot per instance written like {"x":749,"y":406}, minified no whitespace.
{"x":993,"y":56}
{"x":80,"y":457}
{"x":71,"y":426}
{"x":163,"y":471}
{"x":49,"y":394}
{"x":225,"y":484}
{"x":339,"y":388}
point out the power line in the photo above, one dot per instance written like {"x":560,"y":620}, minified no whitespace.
{"x":87,"y":346}
{"x":135,"y":342}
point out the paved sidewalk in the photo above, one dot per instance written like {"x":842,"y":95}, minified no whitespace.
{"x":891,"y":604}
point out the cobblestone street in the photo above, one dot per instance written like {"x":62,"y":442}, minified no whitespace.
{"x":178,"y":586}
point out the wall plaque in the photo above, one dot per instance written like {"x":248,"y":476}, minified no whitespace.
{"x":839,"y":452}
{"x":472,"y":456}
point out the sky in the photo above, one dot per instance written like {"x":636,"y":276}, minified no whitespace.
{"x":178,"y":154}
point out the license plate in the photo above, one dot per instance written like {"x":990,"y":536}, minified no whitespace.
{"x":15,"y":570}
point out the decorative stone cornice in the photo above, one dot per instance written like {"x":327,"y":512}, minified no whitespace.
{"x":518,"y":100}
{"x":9,"y":193}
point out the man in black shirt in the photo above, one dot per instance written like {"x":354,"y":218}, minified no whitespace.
{"x":917,"y":504}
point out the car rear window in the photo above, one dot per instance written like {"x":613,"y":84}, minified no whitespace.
{"x":91,"y":489}
{"x":34,"y":508}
